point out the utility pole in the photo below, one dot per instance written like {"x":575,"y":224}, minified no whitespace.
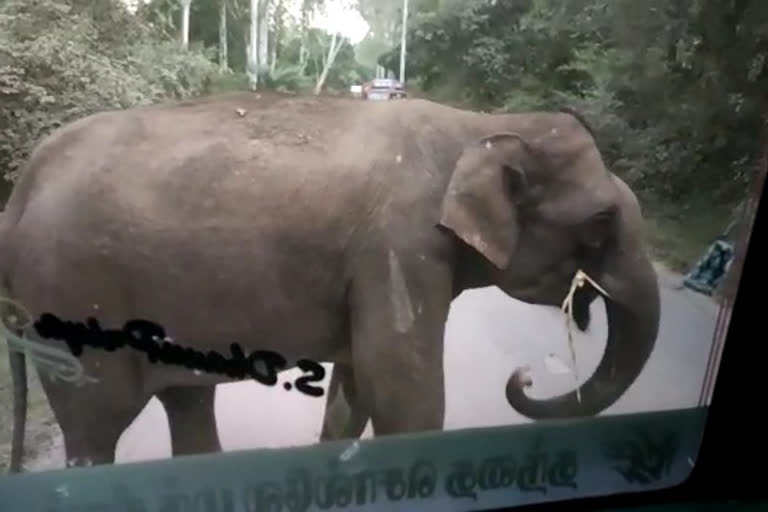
{"x":253,"y":61}
{"x":402,"y":42}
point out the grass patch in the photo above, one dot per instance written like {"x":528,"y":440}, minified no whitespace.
{"x":679,"y":236}
{"x":285,"y":80}
{"x":224,"y":83}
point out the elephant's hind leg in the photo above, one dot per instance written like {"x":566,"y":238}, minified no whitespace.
{"x":345,"y":417}
{"x":191,"y":419}
{"x":92,"y":417}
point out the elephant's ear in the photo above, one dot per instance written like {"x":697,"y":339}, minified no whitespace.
{"x":480,"y":204}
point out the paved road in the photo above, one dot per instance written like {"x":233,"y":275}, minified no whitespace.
{"x":488,"y":335}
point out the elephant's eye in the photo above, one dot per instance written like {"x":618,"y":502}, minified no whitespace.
{"x":604,"y":218}
{"x":598,"y":229}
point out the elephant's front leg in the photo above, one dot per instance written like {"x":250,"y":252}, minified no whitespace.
{"x":345,"y":417}
{"x":398,"y":309}
{"x":191,"y":419}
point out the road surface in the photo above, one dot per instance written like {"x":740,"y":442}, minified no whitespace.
{"x":488,"y":335}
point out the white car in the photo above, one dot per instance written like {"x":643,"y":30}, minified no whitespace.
{"x":356,"y":91}
{"x":384,"y":89}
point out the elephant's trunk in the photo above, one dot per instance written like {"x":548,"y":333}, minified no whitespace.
{"x":633,"y":313}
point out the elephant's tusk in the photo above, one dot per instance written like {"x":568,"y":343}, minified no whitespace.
{"x":577,"y":282}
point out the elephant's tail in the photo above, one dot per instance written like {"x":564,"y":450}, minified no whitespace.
{"x":18,"y":363}
{"x":17,"y":360}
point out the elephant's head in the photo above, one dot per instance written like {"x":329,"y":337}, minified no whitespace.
{"x":531,"y":208}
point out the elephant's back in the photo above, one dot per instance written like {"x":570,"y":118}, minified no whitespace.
{"x":216,"y":161}
{"x":309,"y":166}
{"x":296,"y":172}
{"x":134,"y":220}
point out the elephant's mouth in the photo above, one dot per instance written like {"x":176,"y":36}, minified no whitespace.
{"x":551,"y":292}
{"x":536,"y":297}
{"x":547,"y":288}
{"x":581,"y":299}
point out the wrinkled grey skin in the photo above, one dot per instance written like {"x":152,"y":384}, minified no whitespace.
{"x":289,"y":229}
{"x":345,"y":416}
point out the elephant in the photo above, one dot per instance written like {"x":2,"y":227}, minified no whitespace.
{"x":321,"y":229}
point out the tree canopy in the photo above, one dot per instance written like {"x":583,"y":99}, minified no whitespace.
{"x":60,"y":61}
{"x":674,"y":89}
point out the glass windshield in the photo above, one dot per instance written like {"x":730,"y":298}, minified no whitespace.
{"x":512,"y":277}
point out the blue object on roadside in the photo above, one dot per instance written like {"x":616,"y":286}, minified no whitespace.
{"x":710,"y":269}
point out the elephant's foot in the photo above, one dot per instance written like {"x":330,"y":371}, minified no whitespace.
{"x":93,"y":417}
{"x":344,"y":417}
{"x":94,"y":459}
{"x":191,"y":419}
{"x":92,"y":443}
{"x":349,"y":424}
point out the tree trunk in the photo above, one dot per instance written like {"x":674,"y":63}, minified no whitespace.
{"x":273,"y":52}
{"x":223,"y":58}
{"x":247,"y":48}
{"x":185,"y":23}
{"x":306,"y":7}
{"x":333,"y":50}
{"x":277,"y":34}
{"x":263,"y":46}
{"x":253,"y":57}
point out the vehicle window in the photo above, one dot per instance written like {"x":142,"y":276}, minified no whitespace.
{"x":432,"y":254}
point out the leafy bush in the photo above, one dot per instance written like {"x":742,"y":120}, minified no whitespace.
{"x":289,"y":78}
{"x":63,"y":61}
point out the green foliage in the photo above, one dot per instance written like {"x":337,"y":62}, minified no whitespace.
{"x":165,"y":15}
{"x":675,"y":90}
{"x":229,"y":82}
{"x":289,"y":72}
{"x":368,"y":51}
{"x":346,"y":70}
{"x":287,"y":79}
{"x":62,"y":61}
{"x":290,"y":78}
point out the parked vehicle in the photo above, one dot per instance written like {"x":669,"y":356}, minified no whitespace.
{"x":356,"y":91}
{"x":383,"y":89}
